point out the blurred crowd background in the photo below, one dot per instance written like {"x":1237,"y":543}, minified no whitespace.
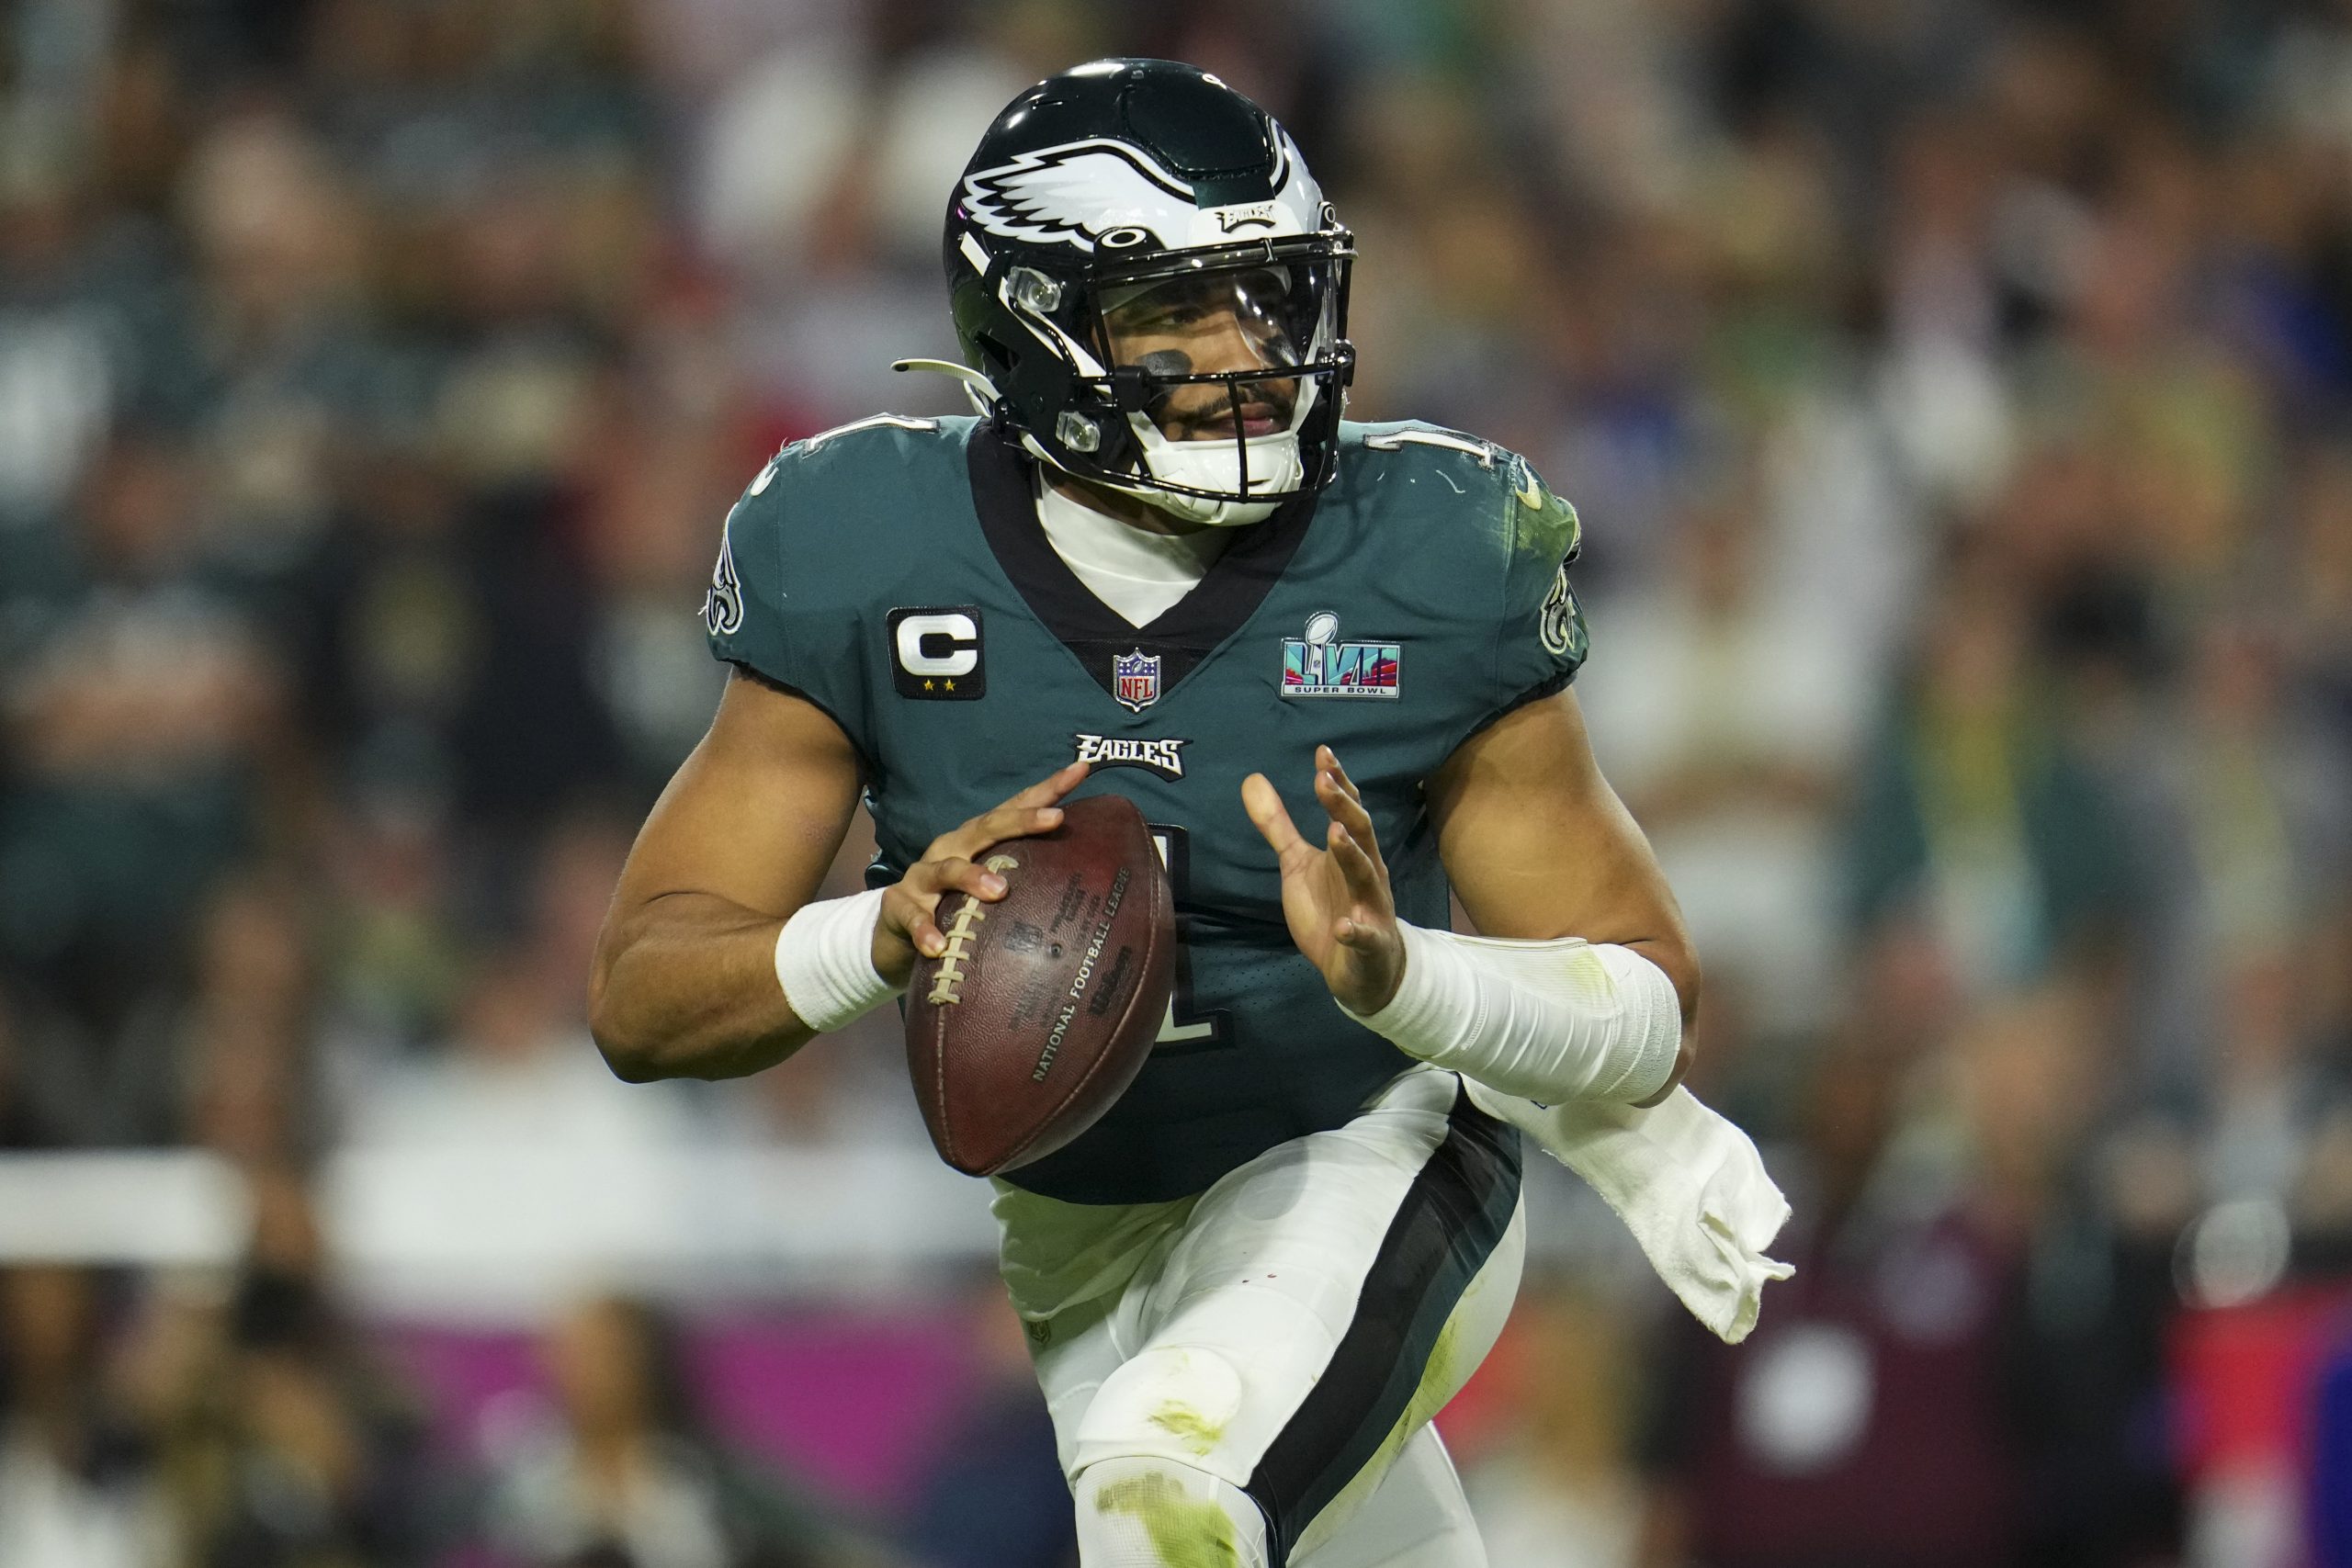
{"x":1957,"y":394}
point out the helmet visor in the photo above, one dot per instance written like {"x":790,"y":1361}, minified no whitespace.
{"x":1200,"y":336}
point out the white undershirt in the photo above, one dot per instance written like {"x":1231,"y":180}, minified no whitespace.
{"x":1136,"y":573}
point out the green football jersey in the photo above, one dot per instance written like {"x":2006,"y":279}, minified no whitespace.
{"x":894,"y":573}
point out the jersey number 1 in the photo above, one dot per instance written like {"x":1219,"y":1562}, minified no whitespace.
{"x":1184,"y":1027}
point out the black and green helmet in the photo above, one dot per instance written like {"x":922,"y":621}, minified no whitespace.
{"x":1129,"y":189}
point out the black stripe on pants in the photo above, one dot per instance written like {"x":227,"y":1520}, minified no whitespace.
{"x":1452,"y":1218}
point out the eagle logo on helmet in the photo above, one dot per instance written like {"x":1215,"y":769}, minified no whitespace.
{"x":1110,"y":194}
{"x":1077,"y":193}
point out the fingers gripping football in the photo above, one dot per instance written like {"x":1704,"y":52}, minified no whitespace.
{"x":952,"y":864}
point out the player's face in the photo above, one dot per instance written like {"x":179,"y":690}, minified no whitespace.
{"x":1210,"y":324}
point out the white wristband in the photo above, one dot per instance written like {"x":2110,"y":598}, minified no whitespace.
{"x":824,"y":960}
{"x":1546,"y":1020}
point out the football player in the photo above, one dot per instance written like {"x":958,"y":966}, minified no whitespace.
{"x":1330,"y":663}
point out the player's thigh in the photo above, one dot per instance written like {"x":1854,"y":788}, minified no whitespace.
{"x":1321,"y":1302}
{"x":1415,"y":1517}
{"x":1073,"y":1353}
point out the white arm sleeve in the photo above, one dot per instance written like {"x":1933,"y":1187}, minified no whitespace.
{"x":824,"y":961}
{"x":1552,"y":1021}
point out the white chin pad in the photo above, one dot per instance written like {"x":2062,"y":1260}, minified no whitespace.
{"x":1276,"y":469}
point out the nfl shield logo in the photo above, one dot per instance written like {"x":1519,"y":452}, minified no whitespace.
{"x":1134,"y":678}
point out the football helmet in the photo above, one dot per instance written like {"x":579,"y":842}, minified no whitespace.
{"x":1133,"y":245}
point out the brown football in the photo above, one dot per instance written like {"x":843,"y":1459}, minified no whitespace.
{"x":1041,"y":1011}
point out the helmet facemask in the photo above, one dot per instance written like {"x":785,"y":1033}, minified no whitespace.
{"x":1219,"y":365}
{"x":1106,"y":352}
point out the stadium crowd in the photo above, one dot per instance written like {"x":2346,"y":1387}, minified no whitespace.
{"x":1958,"y":395}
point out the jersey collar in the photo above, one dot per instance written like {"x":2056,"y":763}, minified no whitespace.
{"x":1237,"y":582}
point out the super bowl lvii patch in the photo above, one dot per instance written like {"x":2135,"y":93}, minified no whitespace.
{"x":1319,"y":665}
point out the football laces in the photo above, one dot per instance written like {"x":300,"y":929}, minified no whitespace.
{"x":946,"y":986}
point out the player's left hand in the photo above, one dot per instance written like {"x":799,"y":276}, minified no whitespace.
{"x":1334,"y":898}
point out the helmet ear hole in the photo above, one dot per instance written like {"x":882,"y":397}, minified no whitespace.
{"x":1000,"y":357}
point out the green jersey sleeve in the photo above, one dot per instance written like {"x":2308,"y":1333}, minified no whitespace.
{"x":1541,"y":638}
{"x":782,"y":606}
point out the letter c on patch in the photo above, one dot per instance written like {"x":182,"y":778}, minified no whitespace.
{"x":938,"y":644}
{"x":936,"y":652}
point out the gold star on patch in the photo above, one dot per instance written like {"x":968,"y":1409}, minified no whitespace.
{"x":926,"y":685}
{"x":951,"y":685}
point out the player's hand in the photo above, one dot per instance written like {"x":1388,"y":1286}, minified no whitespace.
{"x":1334,"y":898}
{"x":906,"y":927}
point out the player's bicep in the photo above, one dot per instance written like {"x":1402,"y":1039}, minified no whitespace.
{"x":757,"y":811}
{"x":1537,"y":845}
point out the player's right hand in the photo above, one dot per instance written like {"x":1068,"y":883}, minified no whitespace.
{"x":906,"y":928}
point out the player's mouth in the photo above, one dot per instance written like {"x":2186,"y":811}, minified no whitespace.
{"x":1260,"y":416}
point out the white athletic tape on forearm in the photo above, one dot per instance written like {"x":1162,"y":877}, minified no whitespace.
{"x":824,"y":960}
{"x":1547,"y":1020}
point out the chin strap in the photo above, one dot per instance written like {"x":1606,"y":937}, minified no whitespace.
{"x":1183,"y":508}
{"x":974,"y":384}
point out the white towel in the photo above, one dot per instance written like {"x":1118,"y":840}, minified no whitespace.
{"x":1687,"y":1182}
